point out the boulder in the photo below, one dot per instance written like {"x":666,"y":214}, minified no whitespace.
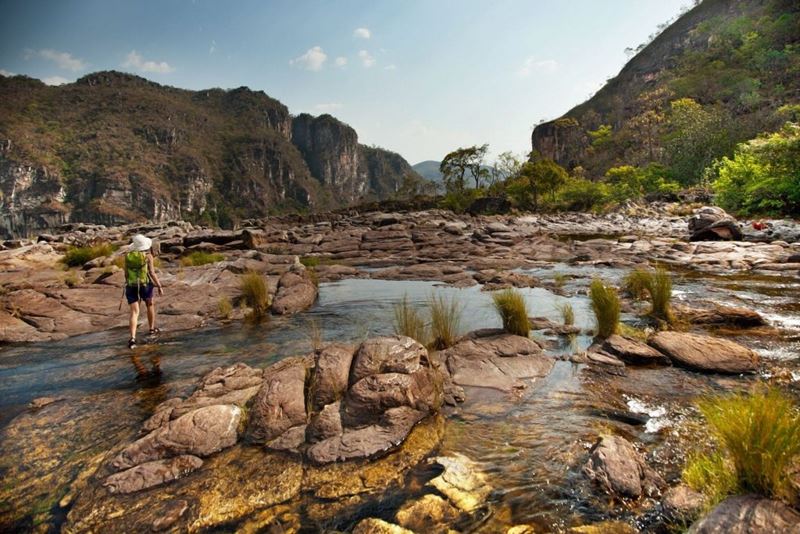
{"x":682,"y":504}
{"x":748,"y":514}
{"x":364,"y":442}
{"x":705,"y":353}
{"x":632,"y":351}
{"x":431,"y":513}
{"x":198,"y":433}
{"x":331,"y":374}
{"x":368,"y":398}
{"x":495,"y":359}
{"x":325,"y":424}
{"x":725,"y":229}
{"x":462,"y":482}
{"x":616,"y":465}
{"x":705,"y":217}
{"x":721,"y":316}
{"x":280,"y":402}
{"x":151,"y":474}
{"x":296,"y":292}
{"x":389,"y":354}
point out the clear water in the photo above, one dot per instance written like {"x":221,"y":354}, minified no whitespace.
{"x":530,"y":445}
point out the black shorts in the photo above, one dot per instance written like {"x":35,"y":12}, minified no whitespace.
{"x":136,"y":293}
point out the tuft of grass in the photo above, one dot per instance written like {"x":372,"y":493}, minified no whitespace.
{"x":559,"y":279}
{"x":605,"y":304}
{"x":567,"y":313}
{"x":72,"y":279}
{"x":445,"y":321}
{"x":225,"y":308}
{"x":407,"y":322}
{"x":314,"y":334}
{"x":657,"y":285}
{"x":759,"y":439}
{"x":77,"y":256}
{"x":310,"y":261}
{"x":254,"y":293}
{"x":510,"y":306}
{"x":198,"y":257}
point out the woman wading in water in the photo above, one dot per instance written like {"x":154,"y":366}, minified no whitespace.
{"x":140,"y":279}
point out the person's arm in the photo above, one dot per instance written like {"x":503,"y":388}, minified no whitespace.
{"x":152,"y":270}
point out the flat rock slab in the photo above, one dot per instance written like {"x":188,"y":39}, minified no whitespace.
{"x":748,"y":514}
{"x":632,"y":351}
{"x":705,"y":353}
{"x":493,"y":359}
{"x":151,"y":474}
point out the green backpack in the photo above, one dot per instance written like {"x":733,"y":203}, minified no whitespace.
{"x":136,"y":269}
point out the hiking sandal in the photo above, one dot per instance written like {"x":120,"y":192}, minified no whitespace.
{"x":131,"y":342}
{"x":154,"y":331}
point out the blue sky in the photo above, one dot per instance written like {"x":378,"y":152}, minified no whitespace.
{"x":420,"y":77}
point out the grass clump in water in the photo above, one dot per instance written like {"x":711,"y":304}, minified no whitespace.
{"x":199,"y":257}
{"x":408,"y":322}
{"x":657,"y":285}
{"x":254,"y":293}
{"x":605,"y":304}
{"x":445,"y":321}
{"x":636,"y":283}
{"x":225,"y":308}
{"x":567,"y":313}
{"x":77,"y":256}
{"x":510,"y":306}
{"x":759,"y":439}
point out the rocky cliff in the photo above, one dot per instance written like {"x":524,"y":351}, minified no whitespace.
{"x":113,"y":148}
{"x":739,"y":60}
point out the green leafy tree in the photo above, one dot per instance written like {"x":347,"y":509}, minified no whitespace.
{"x":763,"y":176}
{"x":542,"y":176}
{"x":457,"y":164}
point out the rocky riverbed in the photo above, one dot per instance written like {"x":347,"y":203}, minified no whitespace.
{"x":340,"y":427}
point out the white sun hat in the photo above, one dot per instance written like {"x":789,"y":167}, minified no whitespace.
{"x":141,"y":243}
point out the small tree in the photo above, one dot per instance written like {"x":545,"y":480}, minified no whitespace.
{"x":543,"y":175}
{"x":457,"y":164}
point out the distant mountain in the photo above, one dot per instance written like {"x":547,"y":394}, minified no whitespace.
{"x":716,"y":76}
{"x":429,"y":170}
{"x":114,"y":147}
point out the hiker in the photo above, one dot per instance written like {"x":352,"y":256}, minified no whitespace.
{"x":140,"y":278}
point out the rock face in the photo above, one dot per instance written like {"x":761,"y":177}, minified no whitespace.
{"x":748,"y":514}
{"x":494,"y":359}
{"x":705,"y":353}
{"x":263,"y":159}
{"x":620,"y":469}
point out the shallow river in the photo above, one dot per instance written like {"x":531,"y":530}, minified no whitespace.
{"x":530,"y":446}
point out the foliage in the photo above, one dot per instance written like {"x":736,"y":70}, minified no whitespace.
{"x":459,"y":201}
{"x":542,"y":176}
{"x":77,"y":256}
{"x":579,"y":194}
{"x":408,"y":322}
{"x":199,"y":257}
{"x":513,"y":311}
{"x":759,"y":439}
{"x":254,"y":293}
{"x":310,"y":261}
{"x":567,"y":313}
{"x":71,"y":279}
{"x":763,"y":176}
{"x":225,"y":308}
{"x":636,"y":282}
{"x":455,"y":166}
{"x":606,"y":307}
{"x":657,"y":285}
{"x":445,"y":321}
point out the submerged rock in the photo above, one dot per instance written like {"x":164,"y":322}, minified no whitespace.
{"x":748,"y":514}
{"x":616,"y":465}
{"x":151,"y":474}
{"x":721,"y":316}
{"x":461,"y":482}
{"x":705,"y":353}
{"x":431,"y":513}
{"x":372,"y":525}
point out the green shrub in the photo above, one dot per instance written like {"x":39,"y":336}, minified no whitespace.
{"x":567,"y":313}
{"x":310,"y":261}
{"x":254,"y":292}
{"x":72,"y":279}
{"x":579,"y":194}
{"x":77,"y":256}
{"x":510,"y":306}
{"x":199,"y":257}
{"x":407,"y":322}
{"x":758,"y":436}
{"x":445,"y":321}
{"x":605,"y":304}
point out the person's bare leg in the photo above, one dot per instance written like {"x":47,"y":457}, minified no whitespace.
{"x":151,"y":314}
{"x":134,"y":319}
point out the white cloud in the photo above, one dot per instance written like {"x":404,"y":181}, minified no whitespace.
{"x":63,"y":60}
{"x":134,"y":60}
{"x":4,"y":72}
{"x":532,"y":65}
{"x":213,"y":47}
{"x":362,"y":33}
{"x":390,"y":67}
{"x":313,"y":59}
{"x":366,"y":58}
{"x":55,"y":80}
{"x":340,"y":61}
{"x":328,"y":107}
